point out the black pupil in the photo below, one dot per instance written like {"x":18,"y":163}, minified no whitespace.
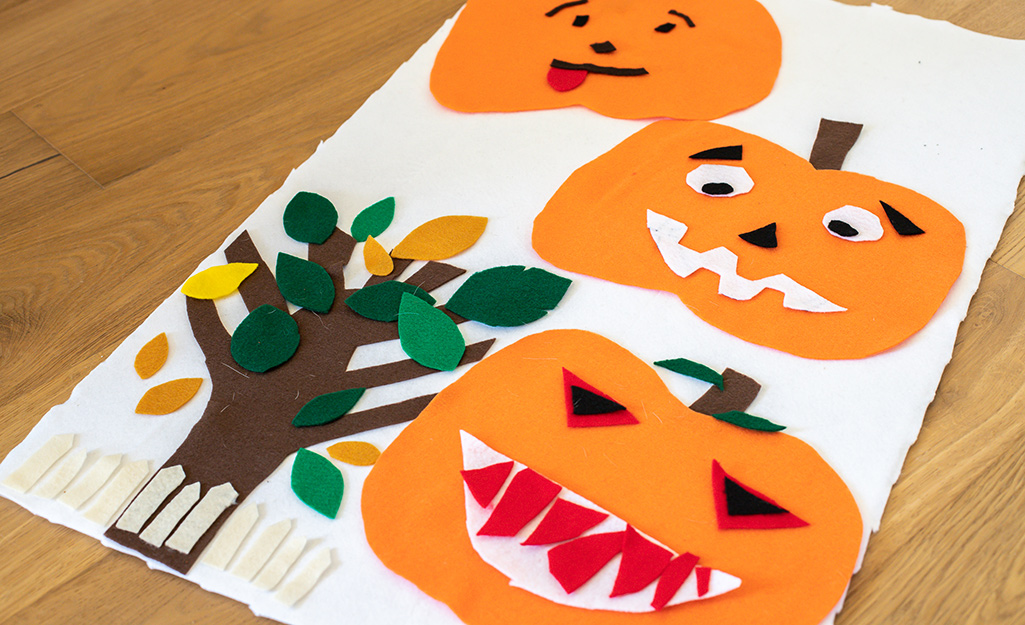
{"x":580,"y":20}
{"x":842,"y":228}
{"x":664,"y":28}
{"x":718,"y":188}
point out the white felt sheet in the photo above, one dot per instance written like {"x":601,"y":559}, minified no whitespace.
{"x":944,"y":114}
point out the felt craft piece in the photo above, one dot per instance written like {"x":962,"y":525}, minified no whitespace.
{"x":219,"y":281}
{"x":650,"y":475}
{"x":373,"y":220}
{"x":738,"y":391}
{"x":750,"y":422}
{"x":428,"y":335}
{"x":376,"y":258}
{"x":563,"y":521}
{"x":673,"y":577}
{"x":508,"y":296}
{"x":304,"y":581}
{"x":738,"y":506}
{"x":703,"y":575}
{"x":327,"y":408}
{"x":904,"y":226}
{"x":25,"y":476}
{"x":484,"y":483}
{"x":161,"y":526}
{"x":834,"y":140}
{"x":304,"y":283}
{"x":526,"y":496}
{"x":214,"y":502}
{"x":152,"y":356}
{"x":279,"y":564}
{"x":841,"y":299}
{"x":156,"y":491}
{"x":620,"y":59}
{"x":266,"y":338}
{"x":576,"y":562}
{"x":167,"y":397}
{"x":356,"y":453}
{"x":643,"y":562}
{"x":90,"y":483}
{"x":224,"y":546}
{"x":441,"y":238}
{"x":310,"y":218}
{"x":692,"y":369}
{"x":261,"y":549}
{"x":114,"y":495}
{"x":59,"y":478}
{"x":317,"y":482}
{"x":381,"y":301}
{"x":586,"y":406}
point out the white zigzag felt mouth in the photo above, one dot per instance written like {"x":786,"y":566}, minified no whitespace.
{"x":683,"y":261}
{"x":530,"y":566}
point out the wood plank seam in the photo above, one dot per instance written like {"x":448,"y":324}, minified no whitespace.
{"x":57,"y":150}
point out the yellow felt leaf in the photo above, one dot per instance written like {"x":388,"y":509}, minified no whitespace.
{"x":354,"y":452}
{"x":441,"y":238}
{"x":169,"y":396}
{"x":218,"y":281}
{"x":376,"y":258}
{"x":152,"y":356}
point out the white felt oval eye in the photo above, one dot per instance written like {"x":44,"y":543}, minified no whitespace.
{"x":851,"y":223}
{"x":720,"y":180}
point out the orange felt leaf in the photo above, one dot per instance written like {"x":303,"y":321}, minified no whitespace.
{"x":354,"y":452}
{"x":376,"y":258}
{"x":441,"y":238}
{"x":152,"y":356}
{"x":218,"y":281}
{"x":169,"y":396}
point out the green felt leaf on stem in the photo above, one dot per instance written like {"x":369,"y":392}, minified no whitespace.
{"x":327,"y":407}
{"x":692,"y":369}
{"x":749,"y":422}
{"x":374,"y":219}
{"x":304,"y":283}
{"x":310,"y":218}
{"x":429,"y":336}
{"x":266,"y":338}
{"x":508,"y":296}
{"x":317,"y":482}
{"x":380,"y":302}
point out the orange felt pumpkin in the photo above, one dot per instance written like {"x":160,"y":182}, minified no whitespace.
{"x":622,"y":58}
{"x":652,"y":463}
{"x":756,"y":241}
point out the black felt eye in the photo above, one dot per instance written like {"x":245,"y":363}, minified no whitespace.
{"x":720,"y":180}
{"x":664,"y":28}
{"x":581,"y":20}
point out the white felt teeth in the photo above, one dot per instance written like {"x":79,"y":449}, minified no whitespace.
{"x":683,"y":261}
{"x":527,"y":566}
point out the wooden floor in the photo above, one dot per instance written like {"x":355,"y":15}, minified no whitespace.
{"x":124,"y":120}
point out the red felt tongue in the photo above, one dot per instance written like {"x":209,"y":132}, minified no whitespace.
{"x":566,"y":79}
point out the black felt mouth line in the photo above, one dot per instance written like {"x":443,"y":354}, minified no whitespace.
{"x":600,"y":69}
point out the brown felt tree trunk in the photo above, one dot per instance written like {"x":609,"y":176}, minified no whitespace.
{"x":245,"y":432}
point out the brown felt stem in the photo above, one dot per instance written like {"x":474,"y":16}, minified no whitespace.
{"x":737,"y":394}
{"x":260,"y":287}
{"x":433,"y":275}
{"x":833,"y":142}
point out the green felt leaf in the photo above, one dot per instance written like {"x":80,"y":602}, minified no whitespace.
{"x":327,"y":407}
{"x":310,"y":218}
{"x":429,"y":336}
{"x":374,"y":219}
{"x":317,"y":482}
{"x":692,"y":369}
{"x":380,"y":302}
{"x":749,"y":422}
{"x":508,"y":296}
{"x":266,"y":338}
{"x":304,"y":283}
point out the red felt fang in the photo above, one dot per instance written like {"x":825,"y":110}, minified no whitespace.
{"x":528,"y":494}
{"x":566,"y":79}
{"x":564,"y":521}
{"x":747,"y":521}
{"x":704,"y":576}
{"x":573,"y":420}
{"x":643,"y":561}
{"x":577,"y":561}
{"x":672,"y":578}
{"x":485,"y":483}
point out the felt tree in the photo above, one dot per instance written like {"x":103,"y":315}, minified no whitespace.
{"x":276,"y":363}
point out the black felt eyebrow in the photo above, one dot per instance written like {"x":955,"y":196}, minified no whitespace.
{"x":685,"y":18}
{"x":725,"y":153}
{"x":565,"y":5}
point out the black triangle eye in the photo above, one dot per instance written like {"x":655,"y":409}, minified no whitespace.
{"x":587,"y":407}
{"x":738,"y":506}
{"x":665,"y":28}
{"x":581,"y":20}
{"x":587,"y":403}
{"x":741,"y":502}
{"x":904,"y":226}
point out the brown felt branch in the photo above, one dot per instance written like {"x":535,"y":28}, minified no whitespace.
{"x":208,"y":329}
{"x":333,"y":255}
{"x":433,"y":275}
{"x":833,"y":142}
{"x":737,"y":394}
{"x":402,"y":370}
{"x":363,"y":421}
{"x":260,"y":287}
{"x":399,"y":265}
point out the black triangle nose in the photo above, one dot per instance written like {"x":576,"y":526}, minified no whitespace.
{"x":762,"y":237}
{"x":604,"y":47}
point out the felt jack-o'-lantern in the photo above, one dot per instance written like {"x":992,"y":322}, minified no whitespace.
{"x":559,"y":481}
{"x":756,"y":240}
{"x":630,"y":59}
